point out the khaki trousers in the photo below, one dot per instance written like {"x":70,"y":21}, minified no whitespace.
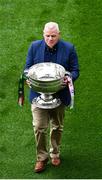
{"x":44,"y":120}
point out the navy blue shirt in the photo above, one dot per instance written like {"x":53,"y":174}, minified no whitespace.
{"x":50,"y":54}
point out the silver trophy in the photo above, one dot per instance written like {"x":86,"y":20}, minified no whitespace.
{"x":46,"y":79}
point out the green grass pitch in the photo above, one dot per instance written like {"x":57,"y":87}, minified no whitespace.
{"x":80,"y":21}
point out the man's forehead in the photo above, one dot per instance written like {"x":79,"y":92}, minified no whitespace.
{"x":50,"y":31}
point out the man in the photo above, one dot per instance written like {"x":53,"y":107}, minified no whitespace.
{"x":51,"y":49}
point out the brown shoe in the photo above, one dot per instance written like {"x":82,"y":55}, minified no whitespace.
{"x":40,"y":166}
{"x":56,"y":161}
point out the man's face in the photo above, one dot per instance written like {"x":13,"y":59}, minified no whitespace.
{"x":51,"y":37}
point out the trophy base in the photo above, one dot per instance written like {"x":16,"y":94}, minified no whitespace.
{"x":43,"y":104}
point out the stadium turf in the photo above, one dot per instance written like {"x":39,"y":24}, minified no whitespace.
{"x":80,"y":22}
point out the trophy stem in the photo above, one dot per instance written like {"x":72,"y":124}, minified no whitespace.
{"x":46,"y":101}
{"x":46,"y":97}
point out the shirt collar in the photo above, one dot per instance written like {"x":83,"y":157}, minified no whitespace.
{"x":54,"y":49}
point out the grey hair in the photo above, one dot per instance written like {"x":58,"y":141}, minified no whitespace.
{"x":51,"y":25}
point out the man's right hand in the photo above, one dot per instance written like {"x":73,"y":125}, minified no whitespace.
{"x":28,"y":83}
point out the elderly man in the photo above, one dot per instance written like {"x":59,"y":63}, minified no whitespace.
{"x":51,"y":49}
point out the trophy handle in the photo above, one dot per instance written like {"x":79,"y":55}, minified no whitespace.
{"x":67,"y":73}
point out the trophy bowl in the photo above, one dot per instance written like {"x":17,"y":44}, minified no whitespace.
{"x":46,"y":79}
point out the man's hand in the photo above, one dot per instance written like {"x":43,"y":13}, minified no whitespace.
{"x":66,"y":80}
{"x":28,"y":83}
